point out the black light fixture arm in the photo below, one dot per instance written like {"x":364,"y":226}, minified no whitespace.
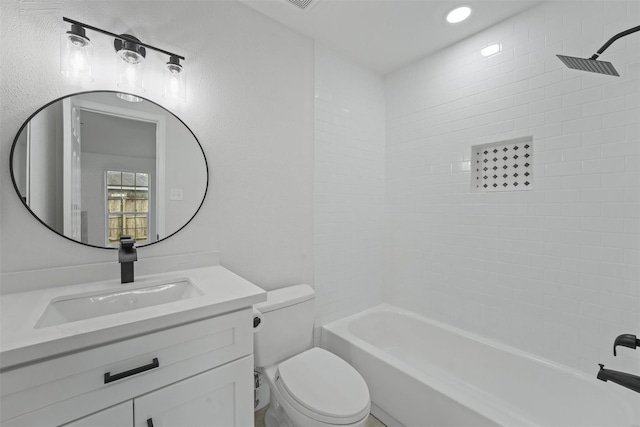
{"x":124,"y":37}
{"x":614,"y":38}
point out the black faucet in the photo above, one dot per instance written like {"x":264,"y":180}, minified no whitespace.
{"x":629,"y":381}
{"x":624,"y":379}
{"x":127,"y":255}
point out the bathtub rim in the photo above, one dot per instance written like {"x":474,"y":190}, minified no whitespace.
{"x":506,"y":414}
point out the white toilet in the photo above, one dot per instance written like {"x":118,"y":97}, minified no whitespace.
{"x":310,"y":387}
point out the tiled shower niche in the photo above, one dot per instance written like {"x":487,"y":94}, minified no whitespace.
{"x":502,"y":166}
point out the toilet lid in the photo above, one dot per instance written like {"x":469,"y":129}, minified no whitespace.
{"x":324,"y":386}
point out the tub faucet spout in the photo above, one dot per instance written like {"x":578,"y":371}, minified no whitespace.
{"x":127,"y":255}
{"x":624,"y":379}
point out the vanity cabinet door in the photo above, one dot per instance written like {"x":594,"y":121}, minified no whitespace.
{"x":219,"y":397}
{"x":117,"y":416}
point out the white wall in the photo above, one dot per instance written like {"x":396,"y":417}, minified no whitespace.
{"x":250,"y":103}
{"x":554,"y":271}
{"x":181,"y":172}
{"x":349,"y":186}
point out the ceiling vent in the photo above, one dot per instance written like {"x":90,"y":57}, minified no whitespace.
{"x":303,"y":5}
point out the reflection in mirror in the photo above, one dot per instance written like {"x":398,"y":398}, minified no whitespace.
{"x":93,"y":167}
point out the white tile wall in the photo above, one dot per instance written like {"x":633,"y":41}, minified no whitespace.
{"x":556,"y":270}
{"x":349,"y":186}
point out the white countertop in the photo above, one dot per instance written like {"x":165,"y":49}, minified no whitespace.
{"x":21,"y":343}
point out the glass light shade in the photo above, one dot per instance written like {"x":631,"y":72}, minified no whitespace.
{"x":175,"y":81}
{"x":76,"y":54}
{"x":130,"y":69}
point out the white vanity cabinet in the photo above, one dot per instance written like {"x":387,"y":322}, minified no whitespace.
{"x":117,"y":416}
{"x":213,"y":398}
{"x":195,"y":374}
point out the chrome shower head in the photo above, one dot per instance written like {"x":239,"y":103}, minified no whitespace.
{"x":591,"y":65}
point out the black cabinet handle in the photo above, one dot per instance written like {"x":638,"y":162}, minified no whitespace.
{"x":108,"y":378}
{"x":149,"y":422}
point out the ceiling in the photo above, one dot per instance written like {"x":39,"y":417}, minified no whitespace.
{"x":387,"y":34}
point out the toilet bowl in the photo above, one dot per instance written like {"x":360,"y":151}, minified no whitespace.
{"x":316,"y":389}
{"x":310,"y":387}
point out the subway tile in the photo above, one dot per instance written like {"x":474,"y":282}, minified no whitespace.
{"x":623,"y":179}
{"x":529,"y":96}
{"x":563,"y":87}
{"x":632,"y":194}
{"x":602,"y":195}
{"x":581,"y":125}
{"x":582,"y":97}
{"x":565,"y":196}
{"x":621,"y":88}
{"x":529,"y":71}
{"x":621,"y":240}
{"x":582,"y":153}
{"x":632,"y":163}
{"x":621,"y":118}
{"x":601,"y":224}
{"x":502,"y":255}
{"x":581,"y":209}
{"x":563,"y":115}
{"x":599,"y":166}
{"x":547,"y":79}
{"x":632,"y":133}
{"x":563,"y":168}
{"x":610,"y":105}
{"x":546,"y":105}
{"x":547,"y":131}
{"x":581,"y":181}
{"x":603,"y":136}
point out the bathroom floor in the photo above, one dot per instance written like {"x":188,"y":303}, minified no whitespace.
{"x":259,"y":419}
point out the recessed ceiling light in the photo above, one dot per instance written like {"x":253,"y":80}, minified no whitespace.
{"x":458,"y":14}
{"x":491,"y":49}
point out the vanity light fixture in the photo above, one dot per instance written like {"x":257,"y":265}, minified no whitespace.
{"x":491,"y":50}
{"x":75,"y":60}
{"x":458,"y":14}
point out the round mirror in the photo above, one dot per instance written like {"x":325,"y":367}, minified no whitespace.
{"x":92,"y":167}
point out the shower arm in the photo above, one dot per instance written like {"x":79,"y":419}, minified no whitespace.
{"x":614,"y":38}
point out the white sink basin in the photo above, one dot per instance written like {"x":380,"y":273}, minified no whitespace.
{"x":71,"y":308}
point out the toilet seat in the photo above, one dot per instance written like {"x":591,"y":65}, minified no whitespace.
{"x":323,"y":387}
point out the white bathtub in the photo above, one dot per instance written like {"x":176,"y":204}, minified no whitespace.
{"x":422,"y":373}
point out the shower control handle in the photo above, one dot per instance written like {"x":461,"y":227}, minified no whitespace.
{"x":626,"y":340}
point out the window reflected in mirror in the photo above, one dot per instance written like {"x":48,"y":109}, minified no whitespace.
{"x":127,"y":206}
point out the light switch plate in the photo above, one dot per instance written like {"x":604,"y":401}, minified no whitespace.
{"x":175,"y":194}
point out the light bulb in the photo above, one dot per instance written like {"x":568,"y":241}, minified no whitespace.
{"x":76,"y":62}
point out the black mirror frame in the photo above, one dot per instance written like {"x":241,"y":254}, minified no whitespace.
{"x":24,"y":203}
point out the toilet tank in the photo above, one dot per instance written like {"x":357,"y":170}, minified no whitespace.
{"x":288,"y":325}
